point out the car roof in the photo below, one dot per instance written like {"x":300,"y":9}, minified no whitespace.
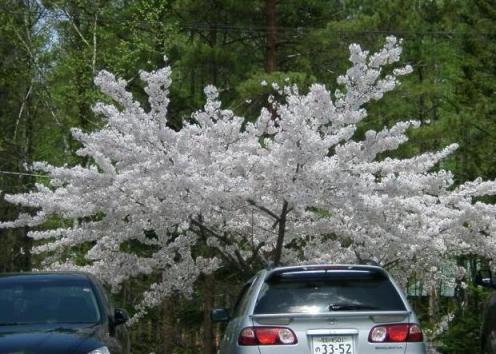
{"x":35,"y":276}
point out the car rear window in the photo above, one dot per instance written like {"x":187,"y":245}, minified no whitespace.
{"x":326,"y":291}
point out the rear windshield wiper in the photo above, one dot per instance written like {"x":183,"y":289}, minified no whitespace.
{"x":11,"y":323}
{"x":350,"y":307}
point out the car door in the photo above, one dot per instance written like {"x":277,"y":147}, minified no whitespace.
{"x":118,"y":336}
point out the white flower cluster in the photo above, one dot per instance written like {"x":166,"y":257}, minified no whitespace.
{"x":295,"y":186}
{"x":441,"y":327}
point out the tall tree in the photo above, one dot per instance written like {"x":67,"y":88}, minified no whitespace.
{"x":22,"y":112}
{"x":300,"y":187}
{"x":474,"y":101}
{"x":271,"y":51}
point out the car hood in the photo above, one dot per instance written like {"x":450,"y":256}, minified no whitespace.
{"x":49,"y":339}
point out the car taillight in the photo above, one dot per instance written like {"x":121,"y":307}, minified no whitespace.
{"x":394,"y":333}
{"x":266,"y":336}
{"x":415,"y":334}
{"x":247,"y":337}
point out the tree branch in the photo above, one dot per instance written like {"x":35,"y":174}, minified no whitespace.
{"x":76,"y":28}
{"x":256,"y":254}
{"x":391,"y":263}
{"x":281,"y":232}
{"x":21,"y":110}
{"x":93,"y":61}
{"x":238,"y":262}
{"x":202,"y":228}
{"x":264,"y":209}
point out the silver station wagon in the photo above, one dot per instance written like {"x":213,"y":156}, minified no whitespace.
{"x":321,"y":309}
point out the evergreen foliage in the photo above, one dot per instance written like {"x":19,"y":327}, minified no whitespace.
{"x":51,"y":49}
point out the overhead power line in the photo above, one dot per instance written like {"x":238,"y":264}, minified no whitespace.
{"x":22,"y":174}
{"x":227,"y":27}
{"x":281,"y":29}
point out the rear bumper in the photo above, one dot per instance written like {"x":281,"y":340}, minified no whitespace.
{"x":416,"y":348}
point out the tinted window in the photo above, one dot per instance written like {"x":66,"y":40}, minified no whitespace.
{"x":47,"y":301}
{"x":323,"y":291}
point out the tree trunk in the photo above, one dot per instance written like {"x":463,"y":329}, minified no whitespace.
{"x":208,"y":305}
{"x":433,"y":304}
{"x":81,"y":77}
{"x":280,"y":234}
{"x":168,"y":330}
{"x":271,"y":49}
{"x":28,"y":148}
{"x":421,"y":100}
{"x":212,"y":35}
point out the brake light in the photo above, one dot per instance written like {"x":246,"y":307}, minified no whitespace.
{"x":398,"y":333}
{"x":395,"y":333}
{"x":266,"y":336}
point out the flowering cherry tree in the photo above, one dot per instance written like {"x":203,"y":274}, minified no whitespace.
{"x":294,"y":186}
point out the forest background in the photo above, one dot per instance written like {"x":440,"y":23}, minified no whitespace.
{"x":50,"y":51}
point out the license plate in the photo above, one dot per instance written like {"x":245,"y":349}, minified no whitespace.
{"x":332,"y":345}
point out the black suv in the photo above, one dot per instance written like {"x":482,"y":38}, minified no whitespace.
{"x":59,"y":313}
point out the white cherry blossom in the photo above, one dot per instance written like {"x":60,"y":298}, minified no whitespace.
{"x":295,"y":186}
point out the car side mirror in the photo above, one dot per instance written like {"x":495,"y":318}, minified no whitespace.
{"x":120,"y":317}
{"x":219,"y":315}
{"x":485,"y":278}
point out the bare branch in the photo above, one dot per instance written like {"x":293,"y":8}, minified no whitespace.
{"x":264,"y":209}
{"x":391,"y":263}
{"x":256,"y":254}
{"x":45,"y":89}
{"x":240,"y":259}
{"x":21,"y":110}
{"x":203,"y":228}
{"x":93,"y":61}
{"x":71,"y":20}
{"x":281,"y":233}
